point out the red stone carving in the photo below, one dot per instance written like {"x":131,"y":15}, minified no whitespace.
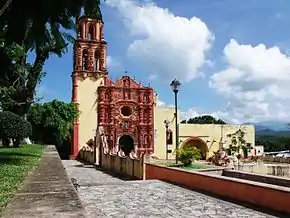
{"x":138,"y":125}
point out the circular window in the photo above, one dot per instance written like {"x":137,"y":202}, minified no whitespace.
{"x":126,"y":111}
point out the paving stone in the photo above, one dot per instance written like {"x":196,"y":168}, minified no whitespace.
{"x":105,"y":196}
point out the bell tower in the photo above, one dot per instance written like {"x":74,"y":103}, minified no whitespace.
{"x":89,"y":72}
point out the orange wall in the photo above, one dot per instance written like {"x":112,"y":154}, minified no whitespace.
{"x":266,"y":196}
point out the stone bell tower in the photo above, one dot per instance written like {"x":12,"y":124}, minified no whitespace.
{"x":89,"y":72}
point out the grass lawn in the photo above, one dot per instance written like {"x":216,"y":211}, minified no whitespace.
{"x":15,"y":163}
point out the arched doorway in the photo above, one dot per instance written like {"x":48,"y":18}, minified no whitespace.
{"x":198,"y":143}
{"x":126,"y":143}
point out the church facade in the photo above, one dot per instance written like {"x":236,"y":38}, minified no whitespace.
{"x":126,"y":111}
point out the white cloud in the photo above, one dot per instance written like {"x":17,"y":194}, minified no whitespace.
{"x":113,"y":63}
{"x":174,"y":46}
{"x":256,"y":81}
{"x":152,"y":76}
{"x":160,"y":103}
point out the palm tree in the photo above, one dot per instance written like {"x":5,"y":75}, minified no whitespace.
{"x":36,"y":25}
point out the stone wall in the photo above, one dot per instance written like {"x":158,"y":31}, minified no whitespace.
{"x":87,"y":155}
{"x":271,"y":197}
{"x":275,"y":159}
{"x":274,"y":169}
{"x":125,"y":166}
{"x":274,"y":180}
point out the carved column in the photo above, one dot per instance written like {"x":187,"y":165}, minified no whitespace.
{"x":91,"y":59}
{"x":75,"y":133}
{"x":78,"y":58}
{"x":103,"y":54}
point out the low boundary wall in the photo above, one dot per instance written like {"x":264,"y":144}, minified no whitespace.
{"x":46,"y":192}
{"x":125,"y":166}
{"x":275,"y":159}
{"x":273,"y":180}
{"x":114,"y":163}
{"x":87,"y":156}
{"x":266,"y":196}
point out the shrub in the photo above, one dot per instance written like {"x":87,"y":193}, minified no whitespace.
{"x":188,"y":154}
{"x":13,"y":127}
{"x":52,"y":122}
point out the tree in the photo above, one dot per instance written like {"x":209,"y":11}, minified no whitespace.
{"x":205,"y":119}
{"x":273,"y":142}
{"x":13,"y":127}
{"x":52,"y":121}
{"x":37,"y":29}
{"x":238,"y":144}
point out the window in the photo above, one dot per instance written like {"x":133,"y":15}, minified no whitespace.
{"x":91,"y":32}
{"x":126,"y":111}
{"x":169,"y":137}
{"x":85,"y":60}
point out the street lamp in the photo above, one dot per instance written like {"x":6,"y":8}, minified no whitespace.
{"x":175,"y":84}
{"x":166,"y":123}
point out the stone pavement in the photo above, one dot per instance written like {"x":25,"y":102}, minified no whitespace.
{"x":47,"y":192}
{"x":105,"y":196}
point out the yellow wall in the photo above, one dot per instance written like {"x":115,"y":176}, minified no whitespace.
{"x":213,"y":134}
{"x":161,"y":114}
{"x":210,"y":133}
{"x":87,"y":99}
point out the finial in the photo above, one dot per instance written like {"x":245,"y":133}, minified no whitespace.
{"x":134,"y":78}
{"x":149,"y":84}
{"x":126,"y":72}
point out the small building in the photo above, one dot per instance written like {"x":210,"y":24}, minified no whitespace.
{"x":259,"y":150}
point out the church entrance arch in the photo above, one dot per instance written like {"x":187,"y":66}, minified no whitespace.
{"x":126,"y":143}
{"x":198,"y":143}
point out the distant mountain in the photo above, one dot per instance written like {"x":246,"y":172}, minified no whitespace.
{"x":272,"y":128}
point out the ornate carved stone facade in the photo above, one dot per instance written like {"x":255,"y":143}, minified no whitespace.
{"x":125,"y":107}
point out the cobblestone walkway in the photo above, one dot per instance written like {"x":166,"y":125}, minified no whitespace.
{"x":106,"y":196}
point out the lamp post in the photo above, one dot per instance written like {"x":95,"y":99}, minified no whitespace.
{"x":175,"y":84}
{"x":166,"y":123}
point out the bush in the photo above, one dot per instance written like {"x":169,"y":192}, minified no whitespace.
{"x":52,"y":122}
{"x":188,"y":154}
{"x":13,"y":127}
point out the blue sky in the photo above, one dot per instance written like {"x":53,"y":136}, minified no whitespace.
{"x":240,"y":80}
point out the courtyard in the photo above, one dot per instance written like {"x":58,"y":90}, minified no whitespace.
{"x":105,"y":196}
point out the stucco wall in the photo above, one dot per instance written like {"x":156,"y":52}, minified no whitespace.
{"x":161,"y":114}
{"x":87,"y":98}
{"x":210,"y":133}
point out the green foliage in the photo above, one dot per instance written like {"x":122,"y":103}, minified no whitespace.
{"x":52,"y":121}
{"x":274,"y":143}
{"x":44,"y":29}
{"x":188,"y":154}
{"x":238,"y":144}
{"x":15,"y":164}
{"x":206,"y":119}
{"x":13,"y":127}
